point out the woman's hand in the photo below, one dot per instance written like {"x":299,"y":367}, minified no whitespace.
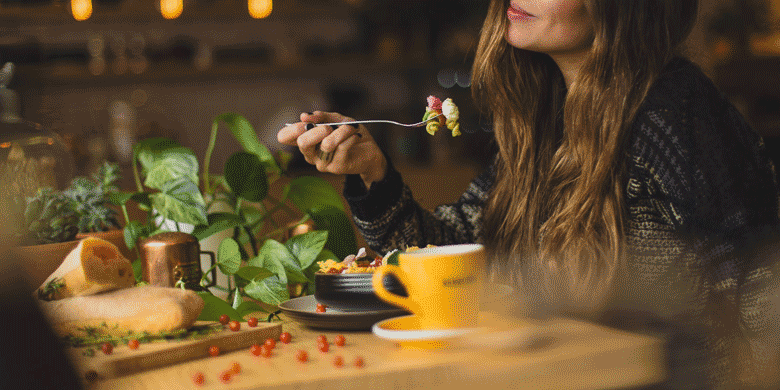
{"x":344,"y":150}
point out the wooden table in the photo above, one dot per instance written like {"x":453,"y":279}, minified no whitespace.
{"x":582,"y":356}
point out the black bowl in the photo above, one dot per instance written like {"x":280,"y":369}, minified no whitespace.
{"x":354,"y":291}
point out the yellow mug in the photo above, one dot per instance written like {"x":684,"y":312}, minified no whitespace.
{"x":444,"y":284}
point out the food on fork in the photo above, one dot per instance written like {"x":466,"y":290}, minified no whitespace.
{"x":448,"y":115}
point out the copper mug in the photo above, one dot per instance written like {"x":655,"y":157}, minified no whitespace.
{"x":172,"y":256}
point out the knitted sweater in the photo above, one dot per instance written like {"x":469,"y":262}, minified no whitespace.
{"x":700,"y":196}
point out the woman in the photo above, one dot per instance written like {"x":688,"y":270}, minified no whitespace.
{"x":621,"y":174}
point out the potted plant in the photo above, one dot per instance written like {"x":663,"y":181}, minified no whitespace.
{"x":259,"y":264}
{"x":45,"y":227}
{"x":90,"y":199}
{"x":49,"y":224}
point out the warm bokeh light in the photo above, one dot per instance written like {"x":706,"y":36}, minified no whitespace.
{"x":259,"y":9}
{"x":171,"y":9}
{"x":81,"y":9}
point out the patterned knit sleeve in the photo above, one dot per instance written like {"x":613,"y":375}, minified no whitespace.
{"x":703,"y":206}
{"x":389,"y":218}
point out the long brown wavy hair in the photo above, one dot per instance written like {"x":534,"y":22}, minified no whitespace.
{"x":557,"y":203}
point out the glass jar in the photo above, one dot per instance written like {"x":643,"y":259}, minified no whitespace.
{"x":31,"y":156}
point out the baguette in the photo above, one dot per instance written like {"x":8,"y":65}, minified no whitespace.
{"x":137,"y":309}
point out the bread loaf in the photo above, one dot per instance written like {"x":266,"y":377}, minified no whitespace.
{"x":95,"y":265}
{"x":137,"y":309}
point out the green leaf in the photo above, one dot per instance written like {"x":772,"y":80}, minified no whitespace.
{"x":228,"y":256}
{"x":143,"y":199}
{"x":167,"y":152}
{"x":181,"y":202}
{"x":237,"y":300}
{"x":393,"y":259}
{"x":253,"y":273}
{"x":214,"y":307}
{"x":341,"y":234}
{"x":305,"y":247}
{"x":138,"y":270}
{"x":245,"y":135}
{"x":246,"y":175}
{"x":271,"y":290}
{"x":267,"y":258}
{"x":217,"y":222}
{"x":119,"y":198}
{"x":174,"y":167}
{"x":249,"y":307}
{"x":251,"y":214}
{"x":132,"y":232}
{"x":314,"y":267}
{"x":309,"y":193}
{"x":282,"y":254}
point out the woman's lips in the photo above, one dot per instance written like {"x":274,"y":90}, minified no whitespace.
{"x":517,"y":13}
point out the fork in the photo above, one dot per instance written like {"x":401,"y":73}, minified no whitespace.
{"x":418,"y":124}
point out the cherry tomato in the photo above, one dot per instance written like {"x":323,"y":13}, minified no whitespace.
{"x":252,"y":322}
{"x":359,"y":363}
{"x":214,"y":350}
{"x":265,"y":351}
{"x":224,"y":319}
{"x":285,"y":337}
{"x":255,"y":349}
{"x":322,"y":339}
{"x":338,"y":361}
{"x":235,"y":326}
{"x":107,"y":348}
{"x":321,"y":308}
{"x":199,"y":378}
{"x":270,"y":343}
{"x":226,"y":376}
{"x":302,"y":356}
{"x":340,"y":340}
{"x":235,"y":367}
{"x":133,"y":344}
{"x":323,"y":347}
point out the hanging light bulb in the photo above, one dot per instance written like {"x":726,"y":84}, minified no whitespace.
{"x":171,"y":9}
{"x":81,"y":9}
{"x":259,"y":9}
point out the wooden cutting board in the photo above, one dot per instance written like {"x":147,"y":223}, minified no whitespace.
{"x":125,"y":361}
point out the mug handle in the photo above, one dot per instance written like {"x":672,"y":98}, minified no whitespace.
{"x":379,"y":287}
{"x":213,"y":269}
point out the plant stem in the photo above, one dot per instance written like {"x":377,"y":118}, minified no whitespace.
{"x":124,"y":212}
{"x":252,"y":240}
{"x":136,"y":175}
{"x":207,"y":158}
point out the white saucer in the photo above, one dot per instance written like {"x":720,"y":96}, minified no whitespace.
{"x":406,"y":332}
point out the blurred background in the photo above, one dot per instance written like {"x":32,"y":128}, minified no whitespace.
{"x":106,"y":73}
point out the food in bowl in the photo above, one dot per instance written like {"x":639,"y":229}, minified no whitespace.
{"x":346,"y":285}
{"x":352,"y":264}
{"x":360,"y":262}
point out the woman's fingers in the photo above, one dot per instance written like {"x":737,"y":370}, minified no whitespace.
{"x":339,"y":160}
{"x":309,"y":141}
{"x":339,"y":135}
{"x":288,"y":135}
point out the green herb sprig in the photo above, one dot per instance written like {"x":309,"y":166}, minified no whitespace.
{"x":97,"y":335}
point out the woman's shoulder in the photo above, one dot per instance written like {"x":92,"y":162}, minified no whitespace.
{"x":682,"y":90}
{"x":697,"y":147}
{"x":684,"y":113}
